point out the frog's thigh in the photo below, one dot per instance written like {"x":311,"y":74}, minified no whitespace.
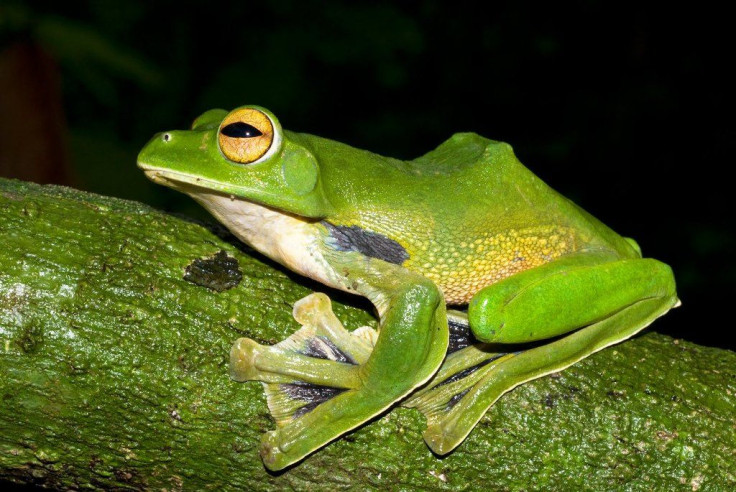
{"x":565,"y":295}
{"x":355,"y":384}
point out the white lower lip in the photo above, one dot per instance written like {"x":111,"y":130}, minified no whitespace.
{"x":155,"y":176}
{"x":178,"y":180}
{"x":166,"y":178}
{"x":158,"y":174}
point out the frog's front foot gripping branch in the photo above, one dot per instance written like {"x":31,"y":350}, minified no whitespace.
{"x":324,"y":381}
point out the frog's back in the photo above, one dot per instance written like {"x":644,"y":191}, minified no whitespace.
{"x":467,"y":214}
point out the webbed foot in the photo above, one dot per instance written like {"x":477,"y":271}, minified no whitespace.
{"x":310,"y":367}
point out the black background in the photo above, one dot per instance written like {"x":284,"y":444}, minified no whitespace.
{"x":625,"y":108}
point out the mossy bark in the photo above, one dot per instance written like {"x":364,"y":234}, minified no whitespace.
{"x":114,"y":374}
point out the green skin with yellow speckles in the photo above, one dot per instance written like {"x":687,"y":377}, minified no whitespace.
{"x":465,"y":224}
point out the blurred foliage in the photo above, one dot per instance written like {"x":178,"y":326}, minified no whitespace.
{"x":623,"y":108}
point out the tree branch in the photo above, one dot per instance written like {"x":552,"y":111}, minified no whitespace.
{"x":115,"y":375}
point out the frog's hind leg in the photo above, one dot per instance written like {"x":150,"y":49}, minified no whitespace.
{"x":310,"y":367}
{"x":475,"y":377}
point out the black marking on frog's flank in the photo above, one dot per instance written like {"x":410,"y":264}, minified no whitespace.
{"x":240,"y":129}
{"x":312,"y":394}
{"x":354,"y":238}
{"x":460,"y":336}
{"x":322,"y":347}
{"x":219,"y":272}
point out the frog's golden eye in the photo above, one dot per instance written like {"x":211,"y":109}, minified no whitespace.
{"x":246,"y":135}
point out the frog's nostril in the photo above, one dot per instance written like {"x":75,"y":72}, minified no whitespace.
{"x":166,"y":137}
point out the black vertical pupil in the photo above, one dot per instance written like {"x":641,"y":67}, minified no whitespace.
{"x":240,"y":130}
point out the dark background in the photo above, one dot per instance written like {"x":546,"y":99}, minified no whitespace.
{"x":626,"y":109}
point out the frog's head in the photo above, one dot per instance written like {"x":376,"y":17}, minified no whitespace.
{"x":244,"y":154}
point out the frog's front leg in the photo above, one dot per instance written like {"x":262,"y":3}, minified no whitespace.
{"x":345,"y":382}
{"x":604,"y":298}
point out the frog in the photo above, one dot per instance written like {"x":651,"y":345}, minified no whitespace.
{"x":481,"y":275}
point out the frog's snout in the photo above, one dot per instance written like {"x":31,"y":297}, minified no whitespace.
{"x":152,"y":151}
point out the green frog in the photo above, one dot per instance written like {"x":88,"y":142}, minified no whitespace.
{"x":482,"y":276}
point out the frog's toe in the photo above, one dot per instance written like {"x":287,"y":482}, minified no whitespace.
{"x":439,"y":441}
{"x":270,"y":451}
{"x":242,"y":360}
{"x":323,"y":334}
{"x":312,"y":366}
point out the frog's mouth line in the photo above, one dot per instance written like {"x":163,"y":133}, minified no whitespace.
{"x":179,"y":181}
{"x":189,"y":185}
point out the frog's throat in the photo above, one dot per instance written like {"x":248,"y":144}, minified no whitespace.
{"x":290,"y":240}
